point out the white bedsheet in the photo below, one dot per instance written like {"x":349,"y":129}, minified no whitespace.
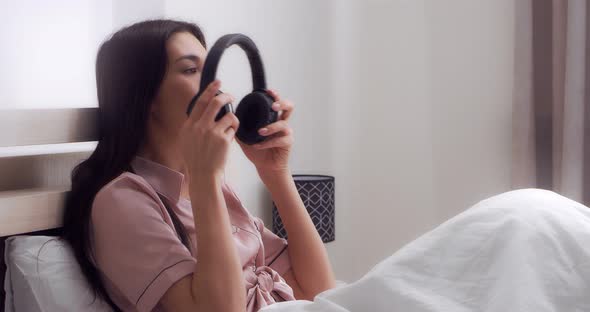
{"x":524,"y":250}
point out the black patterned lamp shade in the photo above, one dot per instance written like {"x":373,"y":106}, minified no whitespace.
{"x":317,"y":193}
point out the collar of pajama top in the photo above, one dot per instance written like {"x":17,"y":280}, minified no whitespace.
{"x":264,"y":286}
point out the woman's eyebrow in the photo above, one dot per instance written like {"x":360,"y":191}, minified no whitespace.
{"x":191,"y":57}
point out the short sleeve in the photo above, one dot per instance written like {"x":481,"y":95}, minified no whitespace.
{"x":135,"y":248}
{"x":276,"y":251}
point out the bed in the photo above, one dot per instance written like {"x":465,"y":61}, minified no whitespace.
{"x":522,"y":250}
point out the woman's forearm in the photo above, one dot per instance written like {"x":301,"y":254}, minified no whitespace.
{"x":218,"y":283}
{"x":308,"y":256}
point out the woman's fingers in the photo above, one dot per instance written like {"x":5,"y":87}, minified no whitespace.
{"x":235,"y":124}
{"x":278,"y":141}
{"x":274,"y":94}
{"x":230,"y":133}
{"x":285,"y":109}
{"x":276,"y":127}
{"x":203,"y":99}
{"x":279,"y":135}
{"x":228,"y":121}
{"x":215,"y":105}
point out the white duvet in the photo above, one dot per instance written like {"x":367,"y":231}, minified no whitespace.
{"x":524,"y":250}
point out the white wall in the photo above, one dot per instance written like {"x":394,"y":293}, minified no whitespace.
{"x":407,"y":103}
{"x":471,"y":79}
{"x":383,"y":154}
{"x":422,"y":127}
{"x":48,"y":49}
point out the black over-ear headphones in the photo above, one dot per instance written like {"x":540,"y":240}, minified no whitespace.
{"x":255,"y":109}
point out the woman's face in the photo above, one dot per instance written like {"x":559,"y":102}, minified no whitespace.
{"x":186,"y":57}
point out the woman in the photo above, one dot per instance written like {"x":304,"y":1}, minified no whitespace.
{"x":150,"y":218}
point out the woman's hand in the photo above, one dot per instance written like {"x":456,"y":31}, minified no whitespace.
{"x":272,"y":155}
{"x":205,"y":142}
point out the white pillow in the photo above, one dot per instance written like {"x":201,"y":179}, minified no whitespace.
{"x":49,"y":280}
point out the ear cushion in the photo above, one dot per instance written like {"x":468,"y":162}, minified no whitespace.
{"x":255,"y":112}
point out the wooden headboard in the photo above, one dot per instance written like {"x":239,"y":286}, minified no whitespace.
{"x":38,"y":150}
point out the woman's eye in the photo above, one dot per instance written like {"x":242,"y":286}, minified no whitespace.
{"x":190,"y":70}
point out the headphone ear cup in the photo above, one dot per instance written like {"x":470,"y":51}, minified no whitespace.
{"x":255,"y":112}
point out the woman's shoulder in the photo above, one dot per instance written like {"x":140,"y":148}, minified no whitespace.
{"x":126,"y":194}
{"x":127,"y":182}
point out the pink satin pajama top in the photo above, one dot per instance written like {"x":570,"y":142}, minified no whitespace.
{"x":140,"y":256}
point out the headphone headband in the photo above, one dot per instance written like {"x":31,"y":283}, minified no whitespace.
{"x":214,"y":56}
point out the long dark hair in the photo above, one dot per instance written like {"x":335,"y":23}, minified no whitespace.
{"x":130,"y":67}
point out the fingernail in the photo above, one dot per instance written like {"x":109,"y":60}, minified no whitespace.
{"x":263,"y":130}
{"x":276,"y":106}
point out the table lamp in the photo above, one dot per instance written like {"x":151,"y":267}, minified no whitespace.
{"x":317,"y":193}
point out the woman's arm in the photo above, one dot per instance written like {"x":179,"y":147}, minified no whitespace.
{"x":217,"y":284}
{"x":309,"y":258}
